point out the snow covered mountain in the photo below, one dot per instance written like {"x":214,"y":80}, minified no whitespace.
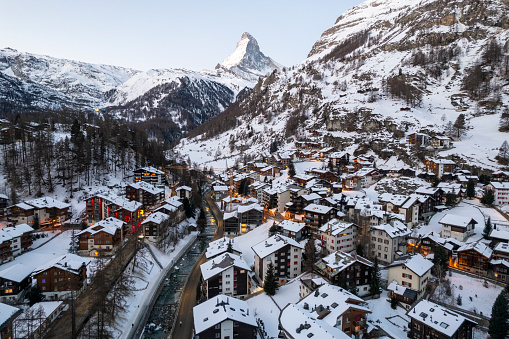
{"x":180,"y":98}
{"x":384,"y":69}
{"x":248,"y":61}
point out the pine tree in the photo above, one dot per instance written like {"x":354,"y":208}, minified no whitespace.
{"x":441,"y":262}
{"x":310,"y":254}
{"x":488,"y":198}
{"x":291,"y":169}
{"x":487,"y":229}
{"x":499,"y":327}
{"x":374,"y":285}
{"x":188,"y":209}
{"x":270,"y":284}
{"x":470,"y":188}
{"x":460,"y":125}
{"x":450,"y":199}
{"x":503,"y":153}
{"x":459,"y":300}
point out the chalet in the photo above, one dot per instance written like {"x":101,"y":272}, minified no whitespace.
{"x":125,"y":210}
{"x":317,"y":216}
{"x":14,"y":241}
{"x":411,"y":271}
{"x":226,"y":274}
{"x":500,"y":176}
{"x":7,"y":315}
{"x":37,"y":318}
{"x":90,"y":129}
{"x":183,"y":192}
{"x":293,"y":230}
{"x":284,"y":253}
{"x":330,"y":312}
{"x":145,"y":193}
{"x":324,"y":175}
{"x":103,"y":238}
{"x":402,"y":204}
{"x":303,"y":179}
{"x":363,"y":178}
{"x":338,"y":159}
{"x":499,"y":235}
{"x":501,"y":252}
{"x":224,"y":317}
{"x":436,"y":194}
{"x":220,"y":246}
{"x":389,"y":242}
{"x":474,"y":258}
{"x":256,"y":166}
{"x":458,"y":227}
{"x":337,"y":235}
{"x":348,"y":270}
{"x":250,"y":217}
{"x":12,"y":134}
{"x":296,"y":203}
{"x":420,"y":139}
{"x":431,"y":241}
{"x":269,"y":173}
{"x":14,"y":282}
{"x":429,"y":320}
{"x":440,"y":142}
{"x":500,"y":192}
{"x":151,"y":175}
{"x":57,"y":278}
{"x":403,"y":294}
{"x":231,"y":223}
{"x":220,"y":192}
{"x":500,"y":268}
{"x":308,"y":286}
{"x":310,"y":145}
{"x":439,"y":167}
{"x":276,"y":197}
{"x":3,"y":203}
{"x":155,"y":226}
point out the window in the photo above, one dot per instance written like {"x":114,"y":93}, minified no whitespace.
{"x":296,"y":256}
{"x":218,"y":335}
{"x":269,"y":259}
{"x":386,"y":249}
{"x":379,"y":247}
{"x":385,"y":256}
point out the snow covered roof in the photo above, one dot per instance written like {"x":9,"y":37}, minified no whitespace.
{"x":397,"y":230}
{"x":147,"y":187}
{"x":335,"y":227}
{"x":150,"y":169}
{"x":272,"y":244}
{"x":220,"y":308}
{"x":187,"y":188}
{"x":457,"y":220}
{"x":16,"y":273}
{"x":479,"y":247}
{"x":12,"y":232}
{"x":156,"y":217}
{"x":26,"y":326}
{"x":24,"y":206}
{"x":427,"y":190}
{"x":291,"y":226}
{"x":246,"y":208}
{"x":320,"y":209}
{"x":310,"y":197}
{"x":500,"y":185}
{"x":437,"y":317}
{"x":109,"y":225}
{"x":402,"y":290}
{"x":126,"y":204}
{"x":502,"y":247}
{"x":6,"y":312}
{"x":339,"y":260}
{"x":220,"y":263}
{"x":443,"y":161}
{"x":68,"y":262}
{"x":416,"y":263}
{"x":233,"y":214}
{"x":220,"y":188}
{"x":47,"y":202}
{"x":167,"y":207}
{"x":296,"y":322}
{"x":220,"y":246}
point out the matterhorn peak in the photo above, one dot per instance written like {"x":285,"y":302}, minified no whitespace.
{"x":248,"y":61}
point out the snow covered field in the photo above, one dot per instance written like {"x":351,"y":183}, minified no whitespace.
{"x":252,"y":238}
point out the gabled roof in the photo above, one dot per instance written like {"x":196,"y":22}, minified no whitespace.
{"x":220,"y":308}
{"x":146,"y":187}
{"x":397,"y":230}
{"x":220,"y":246}
{"x":150,"y":169}
{"x":156,"y":217}
{"x":16,"y":273}
{"x":335,"y":227}
{"x":416,"y":263}
{"x":500,"y":185}
{"x":220,"y":263}
{"x":339,"y":260}
{"x":437,"y":317}
{"x":68,"y":262}
{"x":273,"y":244}
{"x":47,"y":202}
{"x":479,"y":247}
{"x":247,"y":208}
{"x":320,"y":209}
{"x":291,"y":226}
{"x":6,"y":312}
{"x":457,"y":220}
{"x":109,"y":225}
{"x":402,"y":290}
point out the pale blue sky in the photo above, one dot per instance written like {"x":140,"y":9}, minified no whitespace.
{"x":164,"y":34}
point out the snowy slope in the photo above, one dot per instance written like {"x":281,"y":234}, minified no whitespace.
{"x":340,"y":88}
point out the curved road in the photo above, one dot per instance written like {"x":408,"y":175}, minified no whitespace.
{"x":188,"y":300}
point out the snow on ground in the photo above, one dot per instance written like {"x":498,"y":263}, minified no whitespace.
{"x":147,"y":279}
{"x":463,"y":208}
{"x":45,"y":236}
{"x":470,"y":287}
{"x":394,"y":322}
{"x":246,"y":241}
{"x":302,"y":167}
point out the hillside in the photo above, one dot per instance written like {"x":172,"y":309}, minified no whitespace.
{"x":434,"y":59}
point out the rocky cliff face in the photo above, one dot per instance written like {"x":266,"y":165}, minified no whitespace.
{"x":385,"y":68}
{"x":247,"y":61}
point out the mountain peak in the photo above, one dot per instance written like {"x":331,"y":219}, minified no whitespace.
{"x":248,"y":61}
